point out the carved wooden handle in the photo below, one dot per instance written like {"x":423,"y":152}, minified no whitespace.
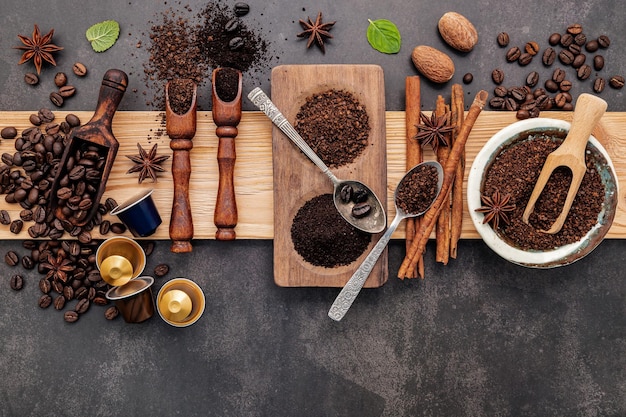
{"x":181,"y":223}
{"x":225,"y":217}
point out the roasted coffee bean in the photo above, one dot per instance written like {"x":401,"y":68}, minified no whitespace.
{"x":80,"y":292}
{"x":105,"y":227}
{"x":497,"y":75}
{"x":7,"y":159}
{"x":8,"y":132}
{"x":560,"y":100}
{"x":575,"y":28}
{"x":518,"y":93}
{"x":39,"y":216}
{"x":359,"y":195}
{"x":503,"y":39}
{"x":579,"y":60}
{"x":468,"y":78}
{"x":16,"y":226}
{"x":44,"y":286}
{"x":11,"y":258}
{"x":532,"y":79}
{"x":235,"y":43}
{"x":592,"y":46}
{"x":70,"y":316}
{"x":67,"y":91}
{"x":110,"y":203}
{"x":31,"y":78}
{"x":72,"y":120}
{"x":522,"y":114}
{"x":532,"y":48}
{"x":574,"y":49}
{"x":84,"y":237}
{"x":616,"y":81}
{"x":525,"y":59}
{"x":241,"y":9}
{"x":57,"y":286}
{"x":558,"y":75}
{"x":82,"y":306}
{"x":79,"y":69}
{"x":584,"y":72}
{"x":599,"y":84}
{"x":46,"y":115}
{"x":554,"y":39}
{"x":59,"y":302}
{"x":161,"y":270}
{"x":513,"y":54}
{"x":232,"y":25}
{"x":604,"y":41}
{"x":64,"y":193}
{"x":26,"y":215}
{"x":361,"y":210}
{"x":566,"y":40}
{"x":28,"y":262}
{"x":345,"y":194}
{"x":510,"y":104}
{"x":580,"y":39}
{"x":5,"y":218}
{"x":500,"y":91}
{"x":111,"y":313}
{"x":496,"y":102}
{"x":598,"y":62}
{"x":56,"y":99}
{"x":566,"y":57}
{"x":100,"y":301}
{"x":60,"y":79}
{"x":542,"y":101}
{"x":68,"y":292}
{"x":45,"y":301}
{"x":16,"y":282}
{"x":565,"y":85}
{"x":94,"y":276}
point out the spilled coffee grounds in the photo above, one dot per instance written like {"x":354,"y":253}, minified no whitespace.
{"x":516,"y":170}
{"x":335,"y":125}
{"x":180,"y":94}
{"x":418,"y":190}
{"x":323,"y":238}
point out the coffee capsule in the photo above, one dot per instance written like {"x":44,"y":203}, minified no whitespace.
{"x":120,"y":259}
{"x":134,"y":299}
{"x":173,"y":302}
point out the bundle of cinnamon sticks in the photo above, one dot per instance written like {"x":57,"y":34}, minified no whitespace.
{"x":446,"y":213}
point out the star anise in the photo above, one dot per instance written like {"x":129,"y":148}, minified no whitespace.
{"x":496,"y":208}
{"x":432,"y":131}
{"x":147,"y":163}
{"x":39,"y":48}
{"x":316,"y":31}
{"x":57,"y":268}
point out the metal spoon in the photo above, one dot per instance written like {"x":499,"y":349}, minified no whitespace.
{"x":352,"y":288}
{"x":373,"y":222}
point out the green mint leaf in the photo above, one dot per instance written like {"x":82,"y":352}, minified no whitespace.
{"x":384,"y":36}
{"x":103,"y":35}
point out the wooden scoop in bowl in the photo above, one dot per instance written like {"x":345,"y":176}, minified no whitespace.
{"x":226,"y":112}
{"x":181,"y":128}
{"x":571,"y":154}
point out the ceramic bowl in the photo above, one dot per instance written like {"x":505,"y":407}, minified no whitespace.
{"x":559,"y":256}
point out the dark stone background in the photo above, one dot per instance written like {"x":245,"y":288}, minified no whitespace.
{"x":479,"y":337}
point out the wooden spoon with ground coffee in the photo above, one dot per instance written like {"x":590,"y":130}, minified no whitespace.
{"x":415,"y":193}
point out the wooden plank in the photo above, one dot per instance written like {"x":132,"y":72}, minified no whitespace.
{"x":296,"y":179}
{"x":253,"y":170}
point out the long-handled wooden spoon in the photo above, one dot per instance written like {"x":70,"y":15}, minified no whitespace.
{"x":226,"y":115}
{"x":181,"y":128}
{"x":587,"y":113}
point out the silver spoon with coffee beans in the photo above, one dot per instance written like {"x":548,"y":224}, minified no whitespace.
{"x":355,"y":201}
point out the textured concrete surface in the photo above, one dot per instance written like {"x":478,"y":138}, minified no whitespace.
{"x":479,"y":337}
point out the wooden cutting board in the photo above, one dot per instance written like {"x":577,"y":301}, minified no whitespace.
{"x":297,"y":179}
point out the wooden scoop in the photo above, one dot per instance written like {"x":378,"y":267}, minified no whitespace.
{"x":588,"y":112}
{"x":181,"y":129}
{"x":226,"y":115}
{"x":97,"y":133}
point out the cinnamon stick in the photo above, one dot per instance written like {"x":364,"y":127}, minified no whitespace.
{"x":457,"y":105}
{"x":442,"y":231}
{"x":430,"y":217}
{"x":413,"y":154}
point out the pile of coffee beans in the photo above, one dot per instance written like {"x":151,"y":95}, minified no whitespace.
{"x":573,"y":45}
{"x":64,"y":90}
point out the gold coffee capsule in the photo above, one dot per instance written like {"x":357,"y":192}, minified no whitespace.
{"x":175,"y":305}
{"x":116,"y":270}
{"x":172,"y":305}
{"x":114,"y":256}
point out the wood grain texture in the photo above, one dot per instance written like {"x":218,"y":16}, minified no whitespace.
{"x":297,"y":180}
{"x":253,"y":172}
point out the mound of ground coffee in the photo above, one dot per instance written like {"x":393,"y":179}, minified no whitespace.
{"x":335,"y":125}
{"x":181,"y":95}
{"x":418,"y":190}
{"x":323,"y":238}
{"x":515,"y":171}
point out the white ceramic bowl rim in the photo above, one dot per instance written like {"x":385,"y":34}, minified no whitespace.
{"x":562,"y":255}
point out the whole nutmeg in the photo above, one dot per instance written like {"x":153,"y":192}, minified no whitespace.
{"x":433,"y":64}
{"x":458,"y":31}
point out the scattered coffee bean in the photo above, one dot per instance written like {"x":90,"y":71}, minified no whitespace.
{"x":105,"y":227}
{"x":566,"y":40}
{"x":11,"y":258}
{"x":110,"y":204}
{"x":497,"y":75}
{"x":59,"y":302}
{"x":79,"y":69}
{"x":72,"y":120}
{"x":118,"y":228}
{"x":616,"y":81}
{"x":361,"y":210}
{"x":558,"y":75}
{"x":604,"y":41}
{"x":57,"y":286}
{"x":46,"y":115}
{"x":161,"y":270}
{"x":235,"y":43}
{"x":554,"y":39}
{"x":148,"y":247}
{"x":532,"y":79}
{"x":580,"y":39}
{"x":60,"y":79}
{"x":584,"y":72}
{"x":232,"y":25}
{"x":468,"y":78}
{"x":513,"y":54}
{"x":592,"y":46}
{"x":17,"y":282}
{"x":496,"y":102}
{"x":67,"y":91}
{"x":28,"y":262}
{"x":525,"y":59}
{"x":598,"y":62}
{"x":566,"y":57}
{"x":599,"y":84}
{"x":8,"y":132}
{"x":31,"y":78}
{"x":503,"y":39}
{"x":532,"y":48}
{"x":565,"y":85}
{"x":83,"y":305}
{"x":56,"y":99}
{"x":68,"y":292}
{"x":26,"y":215}
{"x":241,"y":9}
{"x":345,"y":194}
{"x":45,"y":286}
{"x":574,"y":49}
{"x":575,"y":29}
{"x":579,"y":60}
{"x":359,"y":195}
{"x":70,"y":316}
{"x":500,"y":91}
{"x":45,"y":301}
{"x":111,"y":313}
